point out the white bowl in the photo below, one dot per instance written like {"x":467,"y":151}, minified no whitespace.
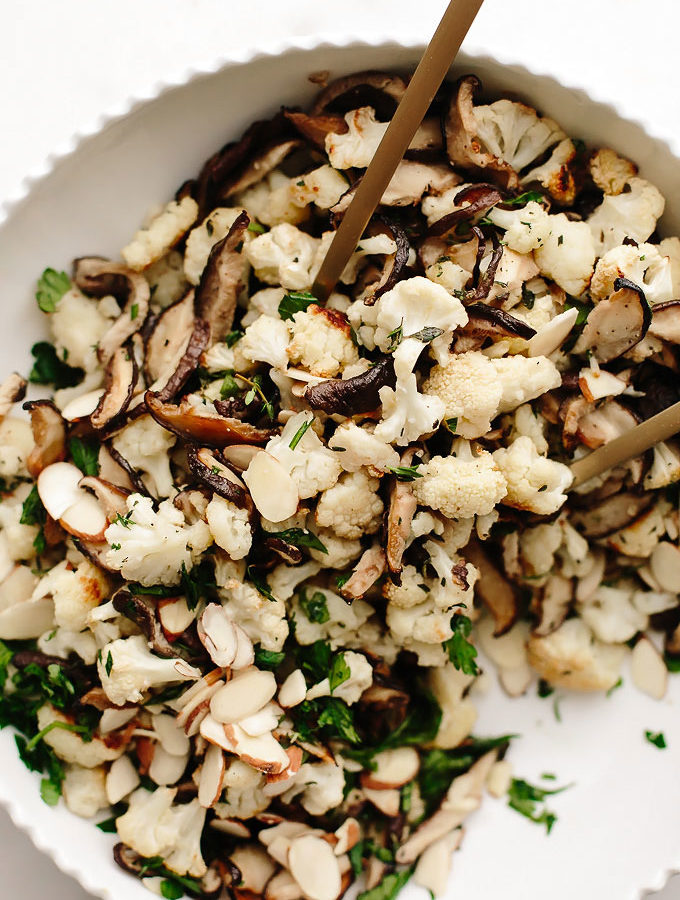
{"x":618,"y":825}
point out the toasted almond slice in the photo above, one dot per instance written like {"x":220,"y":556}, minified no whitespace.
{"x":240,"y":455}
{"x":550,"y":337}
{"x":112,"y":719}
{"x":217,"y":633}
{"x":245,"y":652}
{"x":499,"y":778}
{"x":279,"y":850}
{"x":255,"y":866}
{"x":434,"y":864}
{"x":185,"y":670}
{"x":171,"y":735}
{"x":82,"y":406}
{"x":247,"y":693}
{"x":175,"y":615}
{"x":197,"y":707}
{"x":293,"y":690}
{"x":233,"y":827}
{"x":213,"y":731}
{"x":515,"y":681}
{"x":28,"y":620}
{"x":273,"y":490}
{"x":648,"y":669}
{"x":279,"y":784}
{"x":211,"y":779}
{"x":387,"y":800}
{"x":17,"y":587}
{"x":665,"y":566}
{"x":348,"y":835}
{"x":85,"y":518}
{"x":508,"y":651}
{"x":283,"y":887}
{"x":262,"y":752}
{"x":58,"y":488}
{"x":165,"y":768}
{"x":263,"y":721}
{"x":282,"y":829}
{"x":121,"y":779}
{"x":315,"y":867}
{"x":393,"y":768}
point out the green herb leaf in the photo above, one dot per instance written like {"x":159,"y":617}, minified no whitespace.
{"x":51,"y":287}
{"x":300,"y":433}
{"x":526,"y":197}
{"x":452,"y":425}
{"x":314,"y":607}
{"x":32,"y":511}
{"x":256,"y":390}
{"x":49,"y":369}
{"x":339,"y":673}
{"x":295,"y":302}
{"x":461,"y":652}
{"x":337,"y":717}
{"x":299,"y":537}
{"x":268,"y":659}
{"x":85,"y":455}
{"x":50,"y":791}
{"x":109,"y":664}
{"x":614,"y":687}
{"x":230,"y":387}
{"x":657,"y":738}
{"x":314,"y":660}
{"x":233,"y":337}
{"x":405,"y":473}
{"x":525,"y":798}
{"x":427,"y":334}
{"x":544,"y":689}
{"x":197,"y":583}
{"x":171,"y":890}
{"x":256,"y":228}
{"x":389,"y":886}
{"x":396,"y":336}
{"x":134,"y":311}
{"x":528,"y":297}
{"x":260,"y":582}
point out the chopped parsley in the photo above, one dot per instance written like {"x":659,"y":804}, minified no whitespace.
{"x":229,"y":387}
{"x":268,"y":659}
{"x":49,"y":369}
{"x":295,"y":302}
{"x":256,"y":228}
{"x":427,"y":334}
{"x":299,"y":537}
{"x":314,"y":607}
{"x":51,"y":287}
{"x":544,"y":689}
{"x":339,"y":673}
{"x":197,"y":583}
{"x":405,"y":473}
{"x":85,"y":455}
{"x":523,"y":199}
{"x":232,"y":337}
{"x":389,"y":886}
{"x":452,"y":425}
{"x":260,"y":583}
{"x":526,"y":799}
{"x":614,"y":687}
{"x":657,"y":738}
{"x":461,"y":652}
{"x":109,"y":664}
{"x":134,"y":311}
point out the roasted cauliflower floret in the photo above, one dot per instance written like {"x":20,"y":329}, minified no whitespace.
{"x":515,"y":133}
{"x":75,"y":592}
{"x":471,"y":389}
{"x":524,"y":378}
{"x":146,"y":446}
{"x":631,"y":214}
{"x":262,"y":619}
{"x":77,"y":326}
{"x":127,"y":668}
{"x":312,"y":466}
{"x":203,"y":238}
{"x":357,"y":146}
{"x":343,"y":620}
{"x":161,"y":234}
{"x":84,"y":790}
{"x":152,"y":547}
{"x":69,"y":745}
{"x":641,"y":264}
{"x":534,"y":482}
{"x":229,"y":526}
{"x":571,"y":657}
{"x":352,"y":507}
{"x":462,"y":485}
{"x":322,"y":342}
{"x":266,"y":340}
{"x":611,"y":172}
{"x":357,"y":446}
{"x":283,"y":256}
{"x":154,"y":826}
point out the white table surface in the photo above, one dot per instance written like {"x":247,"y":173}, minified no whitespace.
{"x":63,"y":63}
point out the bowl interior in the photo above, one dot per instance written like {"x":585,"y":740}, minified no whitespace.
{"x":90,"y":204}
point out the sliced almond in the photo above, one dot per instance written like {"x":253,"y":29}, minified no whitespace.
{"x":348,"y":835}
{"x":175,"y":615}
{"x":217,"y":633}
{"x":263,"y":721}
{"x":82,"y":406}
{"x":387,"y":800}
{"x":262,"y":752}
{"x":58,"y":487}
{"x":393,"y":768}
{"x":279,"y":784}
{"x":234,"y":827}
{"x":17,"y":587}
{"x":27,"y":621}
{"x":171,"y":735}
{"x":648,"y":669}
{"x":211,"y":780}
{"x":516,"y":681}
{"x":240,"y":456}
{"x":665,"y":566}
{"x":245,"y":652}
{"x":293,"y":690}
{"x":247,"y":693}
{"x":434,"y":865}
{"x":508,"y":651}
{"x":273,"y":490}
{"x":165,"y":768}
{"x":121,"y":779}
{"x":499,"y":779}
{"x":283,"y":887}
{"x":85,"y":519}
{"x":255,"y":866}
{"x":282,"y":829}
{"x":197,"y":707}
{"x":112,"y":719}
{"x":314,"y":866}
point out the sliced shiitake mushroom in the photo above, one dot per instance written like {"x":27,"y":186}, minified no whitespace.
{"x":605,"y":423}
{"x":403,"y":505}
{"x":488,"y":321}
{"x":222,"y":280}
{"x":427,"y":144}
{"x":315,"y":128}
{"x":211,"y":471}
{"x":666,"y":321}
{"x":394,"y":263}
{"x":259,"y":167}
{"x":616,"y":324}
{"x":168,"y":339}
{"x":381,"y":90}
{"x":121,"y":380}
{"x":202,"y":426}
{"x":189,"y":361}
{"x":494,"y":589}
{"x":112,"y":499}
{"x":484,"y":281}
{"x":613,"y":514}
{"x":142,"y":611}
{"x":100,"y":277}
{"x":49,"y":435}
{"x":412,"y":179}
{"x":289,"y":553}
{"x":463,"y":145}
{"x":351,"y":396}
{"x":478,"y":200}
{"x":12,"y":389}
{"x":366,"y":572}
{"x":554,"y":603}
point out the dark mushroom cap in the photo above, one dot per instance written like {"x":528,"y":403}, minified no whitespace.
{"x":352,"y":396}
{"x":381,"y":90}
{"x":210,"y":470}
{"x":612,"y":514}
{"x":259,"y":167}
{"x":617,"y":324}
{"x":222,"y":280}
{"x":202,"y":426}
{"x":119,"y":387}
{"x":315,"y":128}
{"x":480,"y":198}
{"x":49,"y":435}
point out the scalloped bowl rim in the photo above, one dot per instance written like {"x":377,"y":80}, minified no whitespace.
{"x":182,"y":78}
